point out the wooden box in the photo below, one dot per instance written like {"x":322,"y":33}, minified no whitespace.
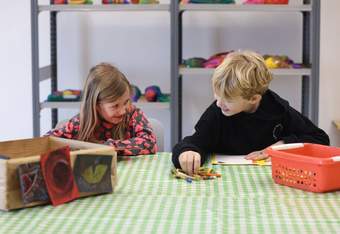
{"x":18,"y":152}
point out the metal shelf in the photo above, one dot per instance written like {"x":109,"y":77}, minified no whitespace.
{"x":246,"y":7}
{"x":106,"y":7}
{"x":276,"y":72}
{"x":56,"y":105}
{"x":76,"y":105}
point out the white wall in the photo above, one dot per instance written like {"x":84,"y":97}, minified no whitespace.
{"x":138,"y":43}
{"x":15,"y":68}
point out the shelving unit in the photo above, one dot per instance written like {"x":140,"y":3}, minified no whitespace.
{"x":108,"y":7}
{"x":76,"y":105}
{"x":50,"y":72}
{"x":247,"y":7}
{"x":276,"y":72}
{"x":310,"y":10}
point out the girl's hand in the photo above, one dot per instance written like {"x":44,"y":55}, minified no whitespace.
{"x":190,"y":162}
{"x":257,"y":155}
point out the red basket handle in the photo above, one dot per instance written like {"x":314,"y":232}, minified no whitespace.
{"x":336,"y":158}
{"x":287,"y":146}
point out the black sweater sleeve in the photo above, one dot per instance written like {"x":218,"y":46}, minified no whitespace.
{"x":203,"y":140}
{"x":301,"y":129}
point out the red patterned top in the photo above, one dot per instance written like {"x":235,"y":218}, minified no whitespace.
{"x":139,"y":138}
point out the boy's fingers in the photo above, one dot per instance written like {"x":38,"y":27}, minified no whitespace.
{"x":189,"y":164}
{"x":182,"y":162}
{"x":250,"y":156}
{"x":185,"y":161}
{"x":261,"y":156}
{"x":197,"y":163}
{"x":257,"y":156}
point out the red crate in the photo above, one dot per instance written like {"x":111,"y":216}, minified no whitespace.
{"x":306,"y":166}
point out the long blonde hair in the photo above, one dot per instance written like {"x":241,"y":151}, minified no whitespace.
{"x":241,"y":74}
{"x":104,"y":83}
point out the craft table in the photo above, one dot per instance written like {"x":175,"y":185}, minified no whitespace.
{"x":148,"y":199}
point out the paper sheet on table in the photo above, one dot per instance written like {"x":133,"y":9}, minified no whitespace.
{"x":223,"y":159}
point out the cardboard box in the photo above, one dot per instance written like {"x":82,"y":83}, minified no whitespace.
{"x":18,"y":152}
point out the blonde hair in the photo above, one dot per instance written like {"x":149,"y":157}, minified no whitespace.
{"x":241,"y":74}
{"x":104,"y":83}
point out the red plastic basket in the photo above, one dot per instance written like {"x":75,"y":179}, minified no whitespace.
{"x":306,"y":166}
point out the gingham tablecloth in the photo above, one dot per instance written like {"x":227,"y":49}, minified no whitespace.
{"x":148,"y":200}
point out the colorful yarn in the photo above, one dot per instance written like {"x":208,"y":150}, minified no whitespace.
{"x":136,"y":93}
{"x":152,"y":93}
{"x":195,"y":62}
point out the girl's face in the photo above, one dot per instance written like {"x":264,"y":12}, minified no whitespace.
{"x":113,"y":112}
{"x":238,"y":104}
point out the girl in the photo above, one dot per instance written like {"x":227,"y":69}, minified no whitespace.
{"x":107,"y":115}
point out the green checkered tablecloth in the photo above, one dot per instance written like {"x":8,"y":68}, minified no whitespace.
{"x":148,"y":200}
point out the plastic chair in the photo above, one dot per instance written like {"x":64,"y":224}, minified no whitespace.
{"x":158,"y":129}
{"x":156,"y":125}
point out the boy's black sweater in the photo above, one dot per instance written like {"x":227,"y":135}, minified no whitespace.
{"x":243,"y":133}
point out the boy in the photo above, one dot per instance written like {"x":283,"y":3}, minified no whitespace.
{"x":246,"y":117}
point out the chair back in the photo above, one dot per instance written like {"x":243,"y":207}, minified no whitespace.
{"x":158,"y":129}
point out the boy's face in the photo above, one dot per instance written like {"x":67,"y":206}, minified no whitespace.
{"x":113,"y":112}
{"x":236,"y":105}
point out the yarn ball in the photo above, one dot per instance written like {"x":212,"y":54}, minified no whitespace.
{"x":195,"y":62}
{"x":152,"y":93}
{"x":136,"y":93}
{"x":163,"y":98}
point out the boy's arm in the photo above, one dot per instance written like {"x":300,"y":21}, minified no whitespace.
{"x":142,"y":139}
{"x":202,"y":141}
{"x":69,"y":129}
{"x":301,"y":129}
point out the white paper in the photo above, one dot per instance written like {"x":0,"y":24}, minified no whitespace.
{"x":234,"y":160}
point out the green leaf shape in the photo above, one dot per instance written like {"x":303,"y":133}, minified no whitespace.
{"x":94,"y":175}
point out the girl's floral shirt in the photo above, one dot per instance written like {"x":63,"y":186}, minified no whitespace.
{"x":139,"y":138}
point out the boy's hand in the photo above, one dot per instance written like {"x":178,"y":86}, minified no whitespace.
{"x":190,"y":161}
{"x":257,"y":155}
{"x":260,"y":155}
